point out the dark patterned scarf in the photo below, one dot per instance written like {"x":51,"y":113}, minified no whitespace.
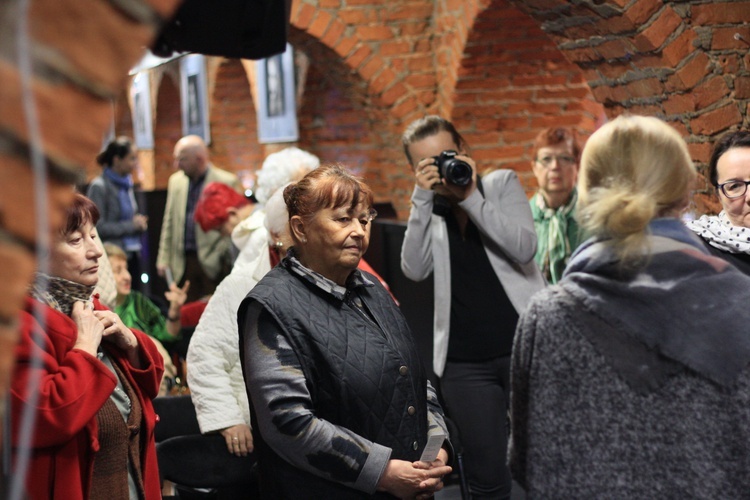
{"x":58,"y":293}
{"x":681,"y":302}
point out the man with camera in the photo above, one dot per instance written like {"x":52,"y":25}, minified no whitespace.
{"x":476,"y":235}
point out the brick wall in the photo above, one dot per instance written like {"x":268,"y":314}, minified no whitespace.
{"x":234,"y":136}
{"x":502,"y":70}
{"x":167,"y":124}
{"x":81,"y":54}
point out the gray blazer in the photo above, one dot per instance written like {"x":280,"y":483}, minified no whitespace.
{"x":506,"y":226}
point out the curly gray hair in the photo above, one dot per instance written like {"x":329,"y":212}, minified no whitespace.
{"x":282,"y":167}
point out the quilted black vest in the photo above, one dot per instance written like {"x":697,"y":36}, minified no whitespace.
{"x":362,"y":375}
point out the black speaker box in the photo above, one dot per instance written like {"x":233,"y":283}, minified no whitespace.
{"x":247,"y":29}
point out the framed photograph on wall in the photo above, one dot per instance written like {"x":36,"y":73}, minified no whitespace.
{"x":277,"y":108}
{"x":194,"y":96}
{"x":140,"y":91}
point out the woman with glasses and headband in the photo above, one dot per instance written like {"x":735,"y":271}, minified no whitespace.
{"x":727,"y":235}
{"x":631,"y":376}
{"x":555,"y":167}
{"x":341,"y":406}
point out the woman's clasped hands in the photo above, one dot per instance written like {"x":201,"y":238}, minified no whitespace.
{"x":94,"y":326}
{"x":418,"y":480}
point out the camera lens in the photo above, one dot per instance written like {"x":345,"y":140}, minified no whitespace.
{"x":458,"y":172}
{"x":453,"y":170}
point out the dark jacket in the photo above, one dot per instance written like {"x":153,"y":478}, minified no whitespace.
{"x":103,"y":192}
{"x":363,"y":375}
{"x":739,"y":260}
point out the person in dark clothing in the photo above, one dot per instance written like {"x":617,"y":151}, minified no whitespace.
{"x":478,"y":241}
{"x":727,"y":235}
{"x":121,"y":223}
{"x":631,"y":376}
{"x":341,"y":406}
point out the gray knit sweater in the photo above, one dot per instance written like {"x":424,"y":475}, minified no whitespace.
{"x":584,"y":427}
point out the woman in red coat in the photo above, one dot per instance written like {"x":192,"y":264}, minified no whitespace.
{"x":83,"y":382}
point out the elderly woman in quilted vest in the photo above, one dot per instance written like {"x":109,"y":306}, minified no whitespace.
{"x":341,"y":405}
{"x":82,"y":419}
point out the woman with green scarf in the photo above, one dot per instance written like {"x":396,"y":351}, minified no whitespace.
{"x":555,"y":165}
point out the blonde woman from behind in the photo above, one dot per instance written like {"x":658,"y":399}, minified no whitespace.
{"x":631,"y":374}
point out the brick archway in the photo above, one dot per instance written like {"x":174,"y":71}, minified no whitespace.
{"x":685,"y":62}
{"x":512,"y":83}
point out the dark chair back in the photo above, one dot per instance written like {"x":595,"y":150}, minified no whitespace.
{"x":176,"y":417}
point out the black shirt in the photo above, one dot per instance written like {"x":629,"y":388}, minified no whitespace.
{"x":483,"y":320}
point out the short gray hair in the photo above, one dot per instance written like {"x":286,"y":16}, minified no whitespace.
{"x":277,"y":216}
{"x":282,"y":167}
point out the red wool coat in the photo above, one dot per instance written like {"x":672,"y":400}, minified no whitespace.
{"x":73,"y":386}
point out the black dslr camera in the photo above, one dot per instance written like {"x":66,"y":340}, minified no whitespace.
{"x":455,"y":171}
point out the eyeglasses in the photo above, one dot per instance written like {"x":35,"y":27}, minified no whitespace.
{"x":733,"y":189}
{"x":562,"y":160}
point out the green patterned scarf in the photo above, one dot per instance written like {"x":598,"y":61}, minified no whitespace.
{"x":557,"y":235}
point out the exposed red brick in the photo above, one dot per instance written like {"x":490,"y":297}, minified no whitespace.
{"x":723,"y":38}
{"x":563,"y":92}
{"x":374,"y":32}
{"x":677,"y":104}
{"x":66,"y":137}
{"x":373,"y":66}
{"x":615,"y":49}
{"x":539,"y":80}
{"x":421,"y":80}
{"x":413,"y":28}
{"x":721,"y":12}
{"x":393,"y":94}
{"x":423,"y":63}
{"x":644,"y":109}
{"x":405,"y":107}
{"x":541,"y":122}
{"x":394,"y":47}
{"x":320,"y":24}
{"x":334,"y":33}
{"x":700,"y":152}
{"x":582,"y":55}
{"x":657,"y":33}
{"x":730,"y":63}
{"x":742,"y":87}
{"x":482,"y":138}
{"x":356,"y":16}
{"x":358,"y":56}
{"x":710,"y":92}
{"x":426,"y":97}
{"x":18,"y":212}
{"x":329,"y":4}
{"x":303,"y":16}
{"x":92,"y":50}
{"x":641,"y":11}
{"x":717,"y":120}
{"x":679,"y":127}
{"x":690,"y":74}
{"x":382,"y":81}
{"x":409,"y":11}
{"x":345,"y":46}
{"x":680,"y":48}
